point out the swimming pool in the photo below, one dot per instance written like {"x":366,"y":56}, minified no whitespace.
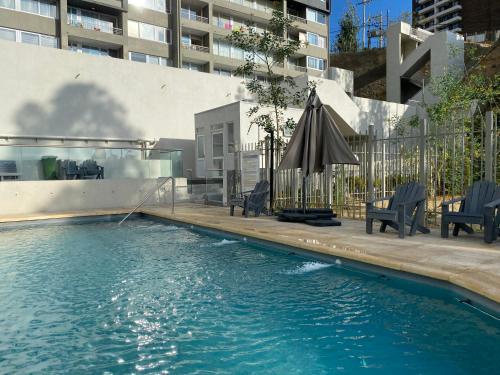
{"x":150,"y":297}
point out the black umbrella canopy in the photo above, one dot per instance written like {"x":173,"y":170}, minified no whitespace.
{"x":316,"y":141}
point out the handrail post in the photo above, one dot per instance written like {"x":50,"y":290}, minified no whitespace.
{"x":173,"y":195}
{"x":151,"y":192}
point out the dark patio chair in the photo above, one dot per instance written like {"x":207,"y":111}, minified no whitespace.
{"x":8,"y":170}
{"x":481,"y":205}
{"x":406,"y":207}
{"x":90,"y":170}
{"x":68,"y":170}
{"x":252,"y":200}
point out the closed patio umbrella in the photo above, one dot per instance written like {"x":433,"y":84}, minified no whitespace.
{"x":316,"y":142}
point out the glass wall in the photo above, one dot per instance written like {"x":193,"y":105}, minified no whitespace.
{"x":28,"y":163}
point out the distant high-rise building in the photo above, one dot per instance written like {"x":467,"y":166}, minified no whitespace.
{"x":461,"y":16}
{"x":188,"y":34}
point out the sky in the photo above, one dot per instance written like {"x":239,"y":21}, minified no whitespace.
{"x":395,"y":8}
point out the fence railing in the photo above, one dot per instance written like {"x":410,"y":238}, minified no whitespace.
{"x":446,"y":159}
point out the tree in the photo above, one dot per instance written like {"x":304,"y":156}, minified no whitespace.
{"x":347,"y":39}
{"x":264,"y":53}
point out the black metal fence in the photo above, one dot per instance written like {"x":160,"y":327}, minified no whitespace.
{"x":446,"y":158}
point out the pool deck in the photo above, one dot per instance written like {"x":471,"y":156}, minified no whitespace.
{"x":465,"y":261}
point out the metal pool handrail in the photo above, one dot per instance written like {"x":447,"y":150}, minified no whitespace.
{"x":150,"y":193}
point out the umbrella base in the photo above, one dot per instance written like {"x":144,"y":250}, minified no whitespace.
{"x":297,"y":215}
{"x":324,"y":223}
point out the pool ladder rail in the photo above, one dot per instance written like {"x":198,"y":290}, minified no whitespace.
{"x":159,"y":184}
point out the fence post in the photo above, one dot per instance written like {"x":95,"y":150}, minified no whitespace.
{"x":488,"y":147}
{"x":422,"y":167}
{"x":382,"y":177}
{"x":371,"y":158}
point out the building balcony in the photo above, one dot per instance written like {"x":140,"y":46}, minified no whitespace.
{"x":447,"y":21}
{"x":242,"y":8}
{"x":451,"y":9}
{"x":196,"y":47}
{"x":307,"y":25}
{"x":297,"y":68}
{"x":298,"y":19}
{"x":96,"y":26}
{"x":426,"y":9}
{"x":187,"y":15}
{"x":253,"y":5}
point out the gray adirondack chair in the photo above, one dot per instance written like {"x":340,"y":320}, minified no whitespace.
{"x":481,"y":205}
{"x":252,"y":200}
{"x":406,"y":207}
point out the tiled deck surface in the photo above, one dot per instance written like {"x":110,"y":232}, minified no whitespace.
{"x":465,"y":261}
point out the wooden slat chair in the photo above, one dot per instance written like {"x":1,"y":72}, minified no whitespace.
{"x":252,"y":200}
{"x":406,"y":207}
{"x":480,"y":205}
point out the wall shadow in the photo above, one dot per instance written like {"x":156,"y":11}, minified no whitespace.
{"x":81,"y":110}
{"x":76,"y":110}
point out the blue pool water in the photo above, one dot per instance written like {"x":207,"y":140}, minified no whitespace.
{"x":149,"y":297}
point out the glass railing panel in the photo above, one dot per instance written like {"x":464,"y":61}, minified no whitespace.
{"x":27,"y":163}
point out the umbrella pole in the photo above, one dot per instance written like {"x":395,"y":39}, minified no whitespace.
{"x":304,"y":194}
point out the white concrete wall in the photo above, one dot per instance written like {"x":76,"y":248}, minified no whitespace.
{"x":17,"y":198}
{"x":446,"y":51}
{"x":344,"y":77}
{"x":379,"y":113}
{"x":53,"y":92}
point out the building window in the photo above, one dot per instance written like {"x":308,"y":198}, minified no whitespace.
{"x":158,"y":5}
{"x":218,"y":151}
{"x":315,"y":16}
{"x":192,"y":66}
{"x":218,"y":145}
{"x":91,"y":50}
{"x":147,"y":31}
{"x":46,"y":8}
{"x":28,"y":38}
{"x":225,"y":49}
{"x":315,"y":63}
{"x":8,"y":34}
{"x":230,"y":137}
{"x":148,"y":59}
{"x":316,"y":40}
{"x":200,"y":147}
{"x":222,"y":72}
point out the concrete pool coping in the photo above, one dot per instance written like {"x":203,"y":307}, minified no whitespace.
{"x":466,"y":262}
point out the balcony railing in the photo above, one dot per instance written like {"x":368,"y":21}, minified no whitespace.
{"x":193,"y":17}
{"x":196,"y":47}
{"x":251,"y":4}
{"x":96,"y":26}
{"x":291,"y":17}
{"x":297,"y":68}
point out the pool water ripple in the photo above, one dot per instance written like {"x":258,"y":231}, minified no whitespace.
{"x":152,"y":298}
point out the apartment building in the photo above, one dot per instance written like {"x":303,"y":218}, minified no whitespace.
{"x":187,"y":34}
{"x":467,"y":17}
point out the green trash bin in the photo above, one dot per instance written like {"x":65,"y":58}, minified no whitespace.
{"x":49,"y":167}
